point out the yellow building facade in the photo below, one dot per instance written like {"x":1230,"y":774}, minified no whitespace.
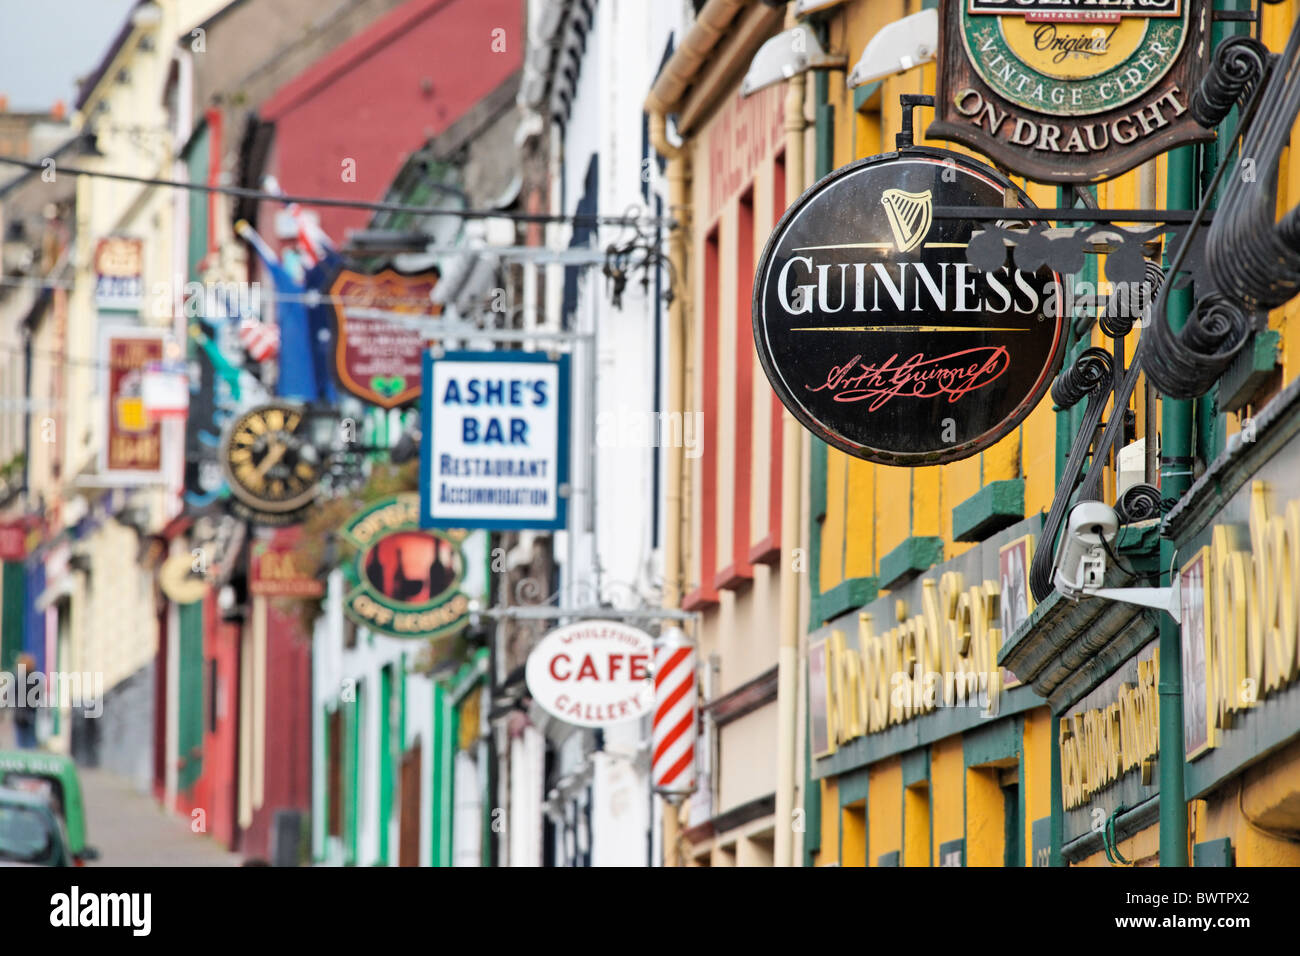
{"x":931,"y":788}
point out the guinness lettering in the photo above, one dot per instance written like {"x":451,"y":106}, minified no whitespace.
{"x":876,"y":332}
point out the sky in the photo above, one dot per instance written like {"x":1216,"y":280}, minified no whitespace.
{"x":45,"y":45}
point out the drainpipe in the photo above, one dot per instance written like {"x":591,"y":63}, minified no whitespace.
{"x":787,"y":687}
{"x":675,"y":396}
{"x":1175,"y":479}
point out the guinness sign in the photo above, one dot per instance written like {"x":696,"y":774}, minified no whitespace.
{"x":1070,"y":91}
{"x":879,"y":335}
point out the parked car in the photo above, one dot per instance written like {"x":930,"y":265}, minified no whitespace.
{"x":53,"y":778}
{"x":31,"y":833}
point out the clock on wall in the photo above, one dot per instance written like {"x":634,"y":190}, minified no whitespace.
{"x":269,"y":460}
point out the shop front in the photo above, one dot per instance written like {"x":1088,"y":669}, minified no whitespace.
{"x":929,"y":753}
{"x":1237,"y":532}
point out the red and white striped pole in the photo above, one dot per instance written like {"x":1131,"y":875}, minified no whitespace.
{"x":673,"y":766}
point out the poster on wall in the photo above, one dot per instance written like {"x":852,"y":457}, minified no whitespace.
{"x":376,"y":360}
{"x":819,"y":726}
{"x":407,"y":581}
{"x":119,"y":273}
{"x":495,"y":451}
{"x":1198,"y":723}
{"x":1070,"y":92}
{"x":1017,"y":600}
{"x":131,"y":452}
{"x":876,"y":332}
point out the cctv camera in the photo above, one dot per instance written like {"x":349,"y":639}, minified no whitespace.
{"x":1081,"y":555}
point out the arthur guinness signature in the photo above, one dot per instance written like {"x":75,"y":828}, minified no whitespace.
{"x":951,"y":376}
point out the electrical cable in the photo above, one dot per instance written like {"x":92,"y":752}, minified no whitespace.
{"x":241,"y":192}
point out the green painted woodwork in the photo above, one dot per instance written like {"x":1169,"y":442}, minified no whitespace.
{"x":386,"y":742}
{"x":189,"y":720}
{"x":1214,"y":853}
{"x":997,"y":505}
{"x":1175,"y":478}
{"x":1000,"y":740}
{"x":916,"y":766}
{"x":13,"y":614}
{"x":845,"y":596}
{"x":914,"y":555}
{"x":444,"y":751}
{"x":864,"y":93}
{"x":892,"y":858}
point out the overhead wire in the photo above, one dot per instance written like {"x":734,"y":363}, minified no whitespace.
{"x":243,"y":192}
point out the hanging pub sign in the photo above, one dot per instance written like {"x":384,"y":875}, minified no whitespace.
{"x":593,"y":673}
{"x":119,"y":273}
{"x":131,"y":452}
{"x":378,"y":361}
{"x":407,"y":581}
{"x":495,"y":449}
{"x":1070,"y":91}
{"x":875,"y":331}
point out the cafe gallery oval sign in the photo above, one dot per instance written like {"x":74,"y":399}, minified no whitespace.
{"x":593,"y":673}
{"x":875,"y":331}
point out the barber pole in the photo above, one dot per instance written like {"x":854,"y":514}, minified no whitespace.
{"x":673,"y":770}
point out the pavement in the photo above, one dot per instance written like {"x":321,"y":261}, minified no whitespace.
{"x":130,"y":828}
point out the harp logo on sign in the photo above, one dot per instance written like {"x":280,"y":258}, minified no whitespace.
{"x":910,"y":216}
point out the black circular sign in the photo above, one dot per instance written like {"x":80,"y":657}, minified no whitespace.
{"x":879,"y":335}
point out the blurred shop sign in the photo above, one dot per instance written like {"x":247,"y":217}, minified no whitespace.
{"x":379,"y":361}
{"x":593,"y":673}
{"x":119,"y":273}
{"x":131,"y":451}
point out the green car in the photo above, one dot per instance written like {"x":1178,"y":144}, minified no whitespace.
{"x":31,"y":834}
{"x":54,"y":778}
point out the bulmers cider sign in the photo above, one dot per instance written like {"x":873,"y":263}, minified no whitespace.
{"x":1070,"y":90}
{"x":876,"y":332}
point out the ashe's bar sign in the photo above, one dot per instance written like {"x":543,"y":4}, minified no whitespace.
{"x":1071,"y":92}
{"x":879,"y":335}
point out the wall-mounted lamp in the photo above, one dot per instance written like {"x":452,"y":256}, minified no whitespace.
{"x":788,"y":54}
{"x":898,"y":47}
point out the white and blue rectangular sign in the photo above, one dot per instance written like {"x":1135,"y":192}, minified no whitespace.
{"x":495,"y":451}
